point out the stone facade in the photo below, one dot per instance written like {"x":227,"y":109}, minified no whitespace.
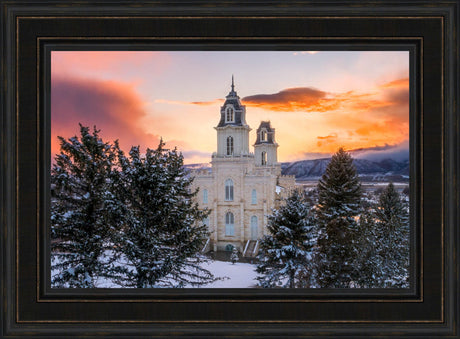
{"x":241,"y":188}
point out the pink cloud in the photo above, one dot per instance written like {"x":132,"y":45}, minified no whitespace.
{"x":113,"y":107}
{"x":90,"y":62}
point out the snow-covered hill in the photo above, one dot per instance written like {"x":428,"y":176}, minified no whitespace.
{"x":373,"y":170}
{"x":198,"y":166}
{"x":383,"y":170}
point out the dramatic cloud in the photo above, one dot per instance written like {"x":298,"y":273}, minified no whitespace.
{"x":375,"y":148}
{"x":207,"y":103}
{"x":363,"y":121}
{"x":331,"y":138}
{"x":370,"y":120}
{"x":367,"y":119}
{"x":293,"y":99}
{"x":134,"y":96}
{"x":111,"y":106}
{"x":399,"y":83}
{"x":328,"y":137}
{"x":309,"y":99}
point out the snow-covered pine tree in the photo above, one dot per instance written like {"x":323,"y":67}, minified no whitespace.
{"x":161,"y":233}
{"x":285,"y":252}
{"x":392,"y":239}
{"x":79,"y":228}
{"x":339,"y":195}
{"x":367,"y":261}
{"x":234,"y":256}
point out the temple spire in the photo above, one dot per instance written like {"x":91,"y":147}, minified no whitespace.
{"x":233,"y":85}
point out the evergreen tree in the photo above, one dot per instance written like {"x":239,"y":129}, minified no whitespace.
{"x":367,"y":261}
{"x":79,"y":228}
{"x":392,"y":239}
{"x":383,"y":242}
{"x":161,"y":234}
{"x":339,"y":195}
{"x":234,"y":256}
{"x":285,"y":253}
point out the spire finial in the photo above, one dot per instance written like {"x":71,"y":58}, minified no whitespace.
{"x":233,"y":85}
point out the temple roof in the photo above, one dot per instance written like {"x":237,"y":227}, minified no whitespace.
{"x":239,"y":110}
{"x":270,"y":139}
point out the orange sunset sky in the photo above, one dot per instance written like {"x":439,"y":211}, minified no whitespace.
{"x":316,"y":101}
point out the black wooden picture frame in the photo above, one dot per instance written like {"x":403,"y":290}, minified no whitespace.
{"x":31,"y":30}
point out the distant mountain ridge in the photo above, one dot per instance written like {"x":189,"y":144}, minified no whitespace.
{"x":197,"y":166}
{"x":382,"y":170}
{"x":387,"y":169}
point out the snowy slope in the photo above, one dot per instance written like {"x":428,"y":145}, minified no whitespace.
{"x":240,"y":275}
{"x":313,"y":169}
{"x":387,"y":169}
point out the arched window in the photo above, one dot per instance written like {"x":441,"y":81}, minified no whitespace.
{"x":229,"y":190}
{"x":205,"y":196}
{"x":206,"y":221}
{"x":254,"y":197}
{"x":230,"y":145}
{"x":264,"y":158}
{"x":229,"y":114}
{"x":263,"y":136}
{"x":254,"y":228}
{"x":229,"y":224}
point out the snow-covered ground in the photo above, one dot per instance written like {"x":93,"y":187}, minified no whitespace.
{"x":240,"y":275}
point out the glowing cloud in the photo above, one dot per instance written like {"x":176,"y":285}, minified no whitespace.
{"x":292,"y":99}
{"x":375,"y":148}
{"x":331,"y":138}
{"x":111,"y":106}
{"x":371,"y":120}
{"x":316,"y":104}
{"x":399,"y":83}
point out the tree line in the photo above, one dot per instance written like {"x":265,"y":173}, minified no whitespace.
{"x":130,"y":219}
{"x":334,"y":240}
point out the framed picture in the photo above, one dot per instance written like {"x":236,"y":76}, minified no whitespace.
{"x":241,"y":175}
{"x":250,"y":96}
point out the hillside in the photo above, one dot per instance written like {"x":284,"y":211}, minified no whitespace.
{"x":383,"y":170}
